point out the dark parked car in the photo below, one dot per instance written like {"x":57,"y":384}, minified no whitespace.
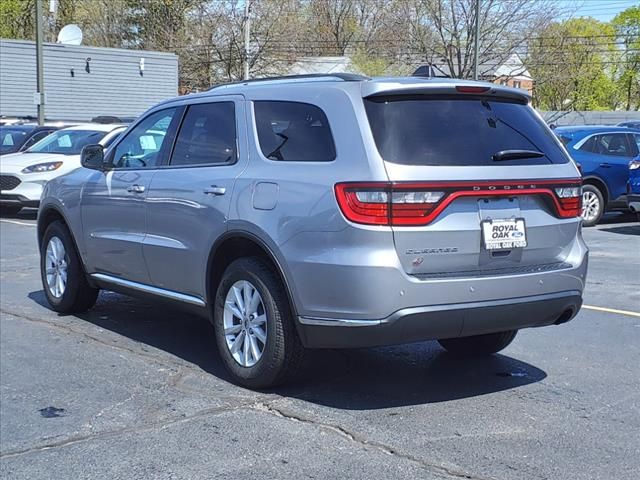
{"x":604,"y":154}
{"x":18,"y":137}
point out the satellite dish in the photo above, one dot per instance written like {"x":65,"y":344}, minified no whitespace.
{"x":70,"y":35}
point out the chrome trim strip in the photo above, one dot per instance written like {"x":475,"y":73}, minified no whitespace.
{"x":342,"y":322}
{"x":181,"y":297}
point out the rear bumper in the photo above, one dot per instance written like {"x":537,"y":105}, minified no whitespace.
{"x":633,"y":200}
{"x":441,"y":321}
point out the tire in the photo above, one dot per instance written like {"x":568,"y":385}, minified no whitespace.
{"x":479,"y":344}
{"x":75,"y":295}
{"x":282,"y":352}
{"x":592,"y":198}
{"x":10,"y":209}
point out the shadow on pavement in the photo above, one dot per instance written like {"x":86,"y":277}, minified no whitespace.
{"x":384,"y":377}
{"x":626,"y":230}
{"x":618,"y":217}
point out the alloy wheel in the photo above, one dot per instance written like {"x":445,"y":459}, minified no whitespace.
{"x":590,"y":206}
{"x":56,"y":264}
{"x":245,"y":323}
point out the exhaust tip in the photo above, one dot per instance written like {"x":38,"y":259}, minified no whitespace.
{"x":565,"y":317}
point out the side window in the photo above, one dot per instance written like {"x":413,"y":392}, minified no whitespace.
{"x":142,"y":147}
{"x":36,"y":138}
{"x":294,"y":132}
{"x":590,"y":145}
{"x":612,"y":144}
{"x":207,"y":135}
{"x":635,"y":142}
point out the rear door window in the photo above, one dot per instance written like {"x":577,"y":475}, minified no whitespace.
{"x":294,"y":132}
{"x":454,"y":131}
{"x":207,"y":135}
{"x":610,"y":144}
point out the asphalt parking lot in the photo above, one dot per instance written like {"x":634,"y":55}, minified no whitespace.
{"x":135,"y":391}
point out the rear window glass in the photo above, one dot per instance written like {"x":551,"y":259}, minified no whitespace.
{"x":295,"y":132}
{"x":207,"y":135}
{"x":454,"y":131}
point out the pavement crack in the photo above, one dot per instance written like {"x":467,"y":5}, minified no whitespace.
{"x":435,"y":468}
{"x":108,"y":434}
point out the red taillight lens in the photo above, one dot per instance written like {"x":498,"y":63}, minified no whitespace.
{"x":386,"y":203}
{"x":570,"y":198}
{"x":366,"y":203}
{"x":406,"y":204}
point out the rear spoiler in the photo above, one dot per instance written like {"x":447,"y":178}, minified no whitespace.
{"x":444,"y":87}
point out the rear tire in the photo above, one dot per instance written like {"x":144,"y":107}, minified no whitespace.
{"x":479,"y":344}
{"x":267,"y":324}
{"x":10,"y":209}
{"x":63,"y":277}
{"x":592,"y":205}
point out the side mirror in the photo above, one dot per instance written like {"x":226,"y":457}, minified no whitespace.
{"x":92,"y":157}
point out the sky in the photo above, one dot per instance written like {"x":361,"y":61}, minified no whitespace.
{"x":603,"y":10}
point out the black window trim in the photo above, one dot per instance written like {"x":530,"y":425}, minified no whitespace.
{"x":286,"y":162}
{"x":185,"y":109}
{"x":180,"y":109}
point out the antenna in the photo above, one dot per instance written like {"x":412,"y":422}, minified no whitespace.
{"x":70,"y":35}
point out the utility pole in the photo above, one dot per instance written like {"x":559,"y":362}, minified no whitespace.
{"x":247,"y":26}
{"x":39,"y":65}
{"x":477,"y":45}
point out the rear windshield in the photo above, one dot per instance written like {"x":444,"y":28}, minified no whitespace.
{"x":437,"y":130}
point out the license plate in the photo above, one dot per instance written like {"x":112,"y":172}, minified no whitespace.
{"x":504,"y":234}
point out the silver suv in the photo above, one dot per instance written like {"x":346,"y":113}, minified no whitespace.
{"x":326,"y":212}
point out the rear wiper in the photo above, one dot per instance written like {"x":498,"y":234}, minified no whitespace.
{"x":515,"y":155}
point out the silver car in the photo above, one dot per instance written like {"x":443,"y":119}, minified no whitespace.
{"x":327,"y":211}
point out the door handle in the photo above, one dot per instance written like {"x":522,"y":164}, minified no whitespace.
{"x":605,"y":165}
{"x":135,"y":188}
{"x":214,"y":190}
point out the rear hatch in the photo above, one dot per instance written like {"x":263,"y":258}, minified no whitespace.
{"x":478,"y":184}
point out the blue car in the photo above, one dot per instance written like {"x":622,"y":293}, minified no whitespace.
{"x":633,"y":186}
{"x":604,"y":154}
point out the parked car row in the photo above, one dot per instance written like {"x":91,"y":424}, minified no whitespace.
{"x":46,"y":153}
{"x":604,"y":154}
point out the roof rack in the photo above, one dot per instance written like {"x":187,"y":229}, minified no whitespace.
{"x":345,"y":77}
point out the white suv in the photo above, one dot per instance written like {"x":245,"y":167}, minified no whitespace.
{"x":24,"y":174}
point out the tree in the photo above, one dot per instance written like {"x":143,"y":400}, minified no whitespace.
{"x":17,"y":19}
{"x":627,"y":27}
{"x":572,"y":64}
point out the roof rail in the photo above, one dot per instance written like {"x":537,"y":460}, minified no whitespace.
{"x":345,"y":77}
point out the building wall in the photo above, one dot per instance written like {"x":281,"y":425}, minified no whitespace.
{"x":516,"y":82}
{"x":114,"y":85}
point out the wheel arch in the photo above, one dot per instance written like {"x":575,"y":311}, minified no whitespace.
{"x":235,"y":244}
{"x":49,"y":214}
{"x":600,"y":184}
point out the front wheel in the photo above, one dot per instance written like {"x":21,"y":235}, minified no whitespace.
{"x":479,"y":344}
{"x":254,"y":326}
{"x":592,"y":205}
{"x":63,"y":277}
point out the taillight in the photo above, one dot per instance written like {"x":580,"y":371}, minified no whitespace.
{"x":387,"y":203}
{"x":570,"y":198}
{"x":409,"y":203}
